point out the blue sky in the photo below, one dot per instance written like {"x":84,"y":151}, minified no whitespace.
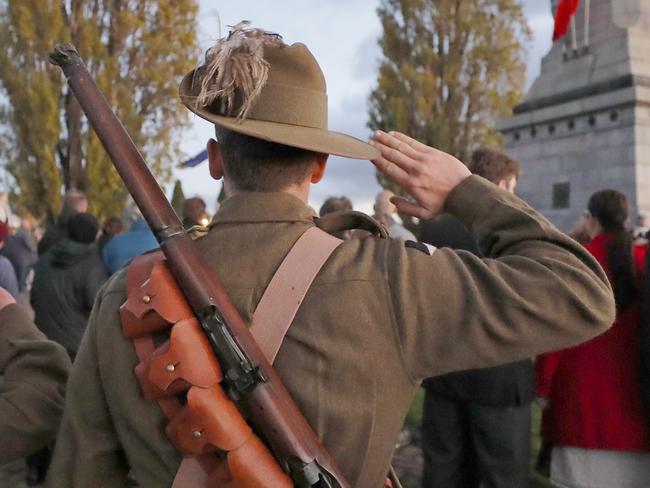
{"x":343,"y":35}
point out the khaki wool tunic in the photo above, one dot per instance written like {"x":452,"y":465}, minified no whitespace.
{"x":378,"y":318}
{"x":32,"y":388}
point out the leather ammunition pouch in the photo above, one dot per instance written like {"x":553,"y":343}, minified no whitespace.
{"x":178,"y":370}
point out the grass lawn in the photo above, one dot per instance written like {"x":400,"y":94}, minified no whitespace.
{"x":414,"y":419}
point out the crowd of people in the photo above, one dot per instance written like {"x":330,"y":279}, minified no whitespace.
{"x":489,"y":284}
{"x":57,"y":272}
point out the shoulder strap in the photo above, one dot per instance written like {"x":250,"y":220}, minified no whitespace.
{"x":288,"y":287}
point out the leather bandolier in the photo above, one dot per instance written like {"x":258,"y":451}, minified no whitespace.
{"x":178,"y":369}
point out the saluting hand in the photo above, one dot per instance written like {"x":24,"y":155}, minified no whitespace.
{"x":427,"y":174}
{"x":5,"y":298}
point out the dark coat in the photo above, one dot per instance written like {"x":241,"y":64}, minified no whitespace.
{"x":510,"y":385}
{"x":22,"y":257}
{"x":66,"y":281}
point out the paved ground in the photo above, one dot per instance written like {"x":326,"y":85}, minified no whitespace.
{"x":408,"y":462}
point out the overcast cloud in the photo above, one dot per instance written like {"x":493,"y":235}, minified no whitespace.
{"x":343,"y":35}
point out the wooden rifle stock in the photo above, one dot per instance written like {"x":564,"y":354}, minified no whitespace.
{"x":247,"y":373}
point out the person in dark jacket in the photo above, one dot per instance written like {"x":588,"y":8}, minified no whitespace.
{"x":7,"y":274}
{"x":476,"y":424}
{"x":66,"y":281}
{"x":74,"y":202}
{"x":20,"y":249}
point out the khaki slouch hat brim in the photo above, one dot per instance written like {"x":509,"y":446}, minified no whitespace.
{"x":291,"y":108}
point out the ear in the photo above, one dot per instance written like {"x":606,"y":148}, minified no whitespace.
{"x":215,"y":161}
{"x":319,"y":168}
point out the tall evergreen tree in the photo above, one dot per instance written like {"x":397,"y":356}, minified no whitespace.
{"x":178,"y":198}
{"x":449,"y":70}
{"x":137,"y":50}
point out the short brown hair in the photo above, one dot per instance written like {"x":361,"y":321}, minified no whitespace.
{"x":493,"y":165}
{"x":335,"y":204}
{"x":256,"y":165}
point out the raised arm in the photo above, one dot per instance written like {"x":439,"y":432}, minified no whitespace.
{"x":536,"y":290}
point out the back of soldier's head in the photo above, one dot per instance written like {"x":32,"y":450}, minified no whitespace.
{"x":256,"y":165}
{"x":494,"y":165}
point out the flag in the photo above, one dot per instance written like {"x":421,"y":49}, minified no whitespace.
{"x":565,"y":11}
{"x":196,"y":160}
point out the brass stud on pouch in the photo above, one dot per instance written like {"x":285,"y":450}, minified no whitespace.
{"x":146,"y":299}
{"x":197,"y":434}
{"x":170,"y":367}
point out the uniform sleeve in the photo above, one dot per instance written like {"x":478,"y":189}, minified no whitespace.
{"x":32,"y":391}
{"x":87,"y":450}
{"x":536,"y":290}
{"x":545,"y":367}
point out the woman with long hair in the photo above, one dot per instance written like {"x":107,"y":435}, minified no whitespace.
{"x":597,"y":422}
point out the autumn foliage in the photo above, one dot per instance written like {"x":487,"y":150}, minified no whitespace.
{"x":137,"y":50}
{"x":449,"y":70}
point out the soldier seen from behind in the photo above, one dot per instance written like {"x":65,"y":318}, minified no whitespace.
{"x":380,"y":315}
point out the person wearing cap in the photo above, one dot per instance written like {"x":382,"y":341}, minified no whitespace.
{"x":34,"y":373}
{"x":380,"y":315}
{"x":8,"y":278}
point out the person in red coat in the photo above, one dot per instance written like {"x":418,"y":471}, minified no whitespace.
{"x":597,"y":421}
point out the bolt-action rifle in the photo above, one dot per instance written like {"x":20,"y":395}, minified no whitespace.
{"x":248,"y":375}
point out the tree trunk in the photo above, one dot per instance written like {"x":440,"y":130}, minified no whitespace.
{"x":74,"y":173}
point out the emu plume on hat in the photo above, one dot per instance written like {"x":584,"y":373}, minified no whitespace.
{"x":255,"y":84}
